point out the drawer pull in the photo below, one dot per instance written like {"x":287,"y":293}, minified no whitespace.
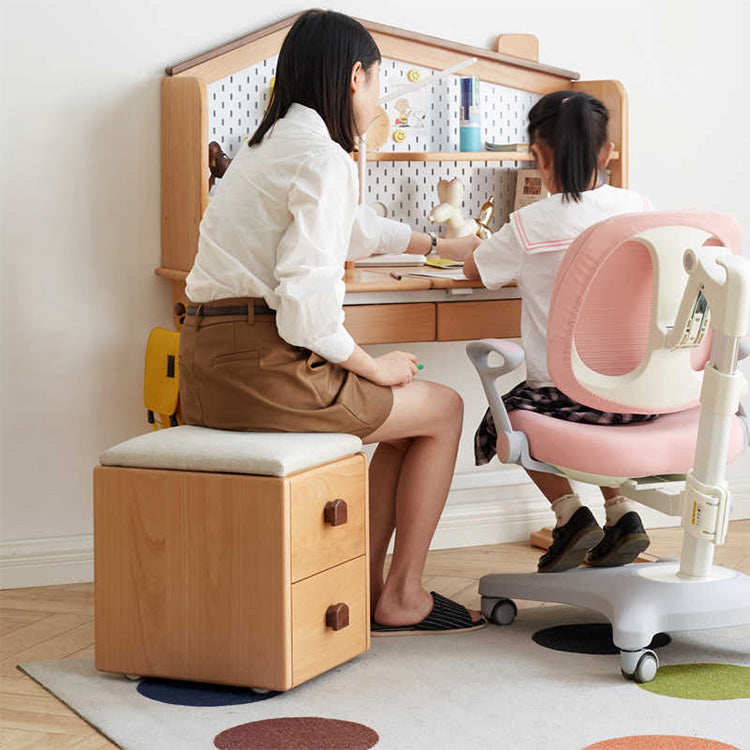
{"x":336,"y":512}
{"x":337,"y":616}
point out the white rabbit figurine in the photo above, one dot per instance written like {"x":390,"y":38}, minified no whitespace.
{"x":450,"y":194}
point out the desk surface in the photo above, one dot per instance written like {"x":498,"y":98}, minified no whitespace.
{"x":374,"y":280}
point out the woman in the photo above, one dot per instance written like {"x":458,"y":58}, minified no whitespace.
{"x":265,"y":348}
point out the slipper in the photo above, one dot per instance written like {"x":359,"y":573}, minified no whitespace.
{"x":446,"y":616}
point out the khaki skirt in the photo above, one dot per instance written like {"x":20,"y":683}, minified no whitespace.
{"x":237,"y":373}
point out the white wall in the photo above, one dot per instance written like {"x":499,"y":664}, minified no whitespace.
{"x":80,"y":216}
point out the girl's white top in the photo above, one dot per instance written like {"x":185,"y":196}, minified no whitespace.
{"x":529,"y":250}
{"x":281,"y":223}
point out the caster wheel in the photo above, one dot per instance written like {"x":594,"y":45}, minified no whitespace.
{"x":626,"y":675}
{"x":260,"y":691}
{"x":500,"y":611}
{"x":133,"y":677}
{"x":647,"y":666}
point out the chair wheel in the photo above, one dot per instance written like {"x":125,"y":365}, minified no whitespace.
{"x":647,"y":667}
{"x":500,"y":611}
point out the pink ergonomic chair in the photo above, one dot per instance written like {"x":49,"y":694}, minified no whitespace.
{"x":637,"y":303}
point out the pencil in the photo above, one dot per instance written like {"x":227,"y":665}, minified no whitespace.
{"x":395,"y":276}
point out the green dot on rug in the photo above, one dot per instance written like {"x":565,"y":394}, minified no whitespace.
{"x":703,"y":682}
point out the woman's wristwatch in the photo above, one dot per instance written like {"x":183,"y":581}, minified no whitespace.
{"x":434,"y":240}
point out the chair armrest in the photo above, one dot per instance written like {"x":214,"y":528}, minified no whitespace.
{"x":512,"y":355}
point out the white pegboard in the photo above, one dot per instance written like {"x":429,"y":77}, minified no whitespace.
{"x":407,"y":189}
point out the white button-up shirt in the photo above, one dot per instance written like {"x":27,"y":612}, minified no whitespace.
{"x":280,"y":225}
{"x":529,"y":249}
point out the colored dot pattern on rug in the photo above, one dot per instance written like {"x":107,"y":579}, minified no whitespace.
{"x":590,"y":638}
{"x":703,"y":682}
{"x":297,"y":733}
{"x":660,"y":742}
{"x":180,"y":693}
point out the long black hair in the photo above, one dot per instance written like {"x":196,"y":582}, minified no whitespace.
{"x":574,"y":126}
{"x":314,"y":69}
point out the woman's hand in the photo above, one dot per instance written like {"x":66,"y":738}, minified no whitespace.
{"x":394,"y":368}
{"x":458,"y":249}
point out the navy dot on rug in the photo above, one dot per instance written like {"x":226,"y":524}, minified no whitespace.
{"x":180,"y":693}
{"x":590,"y":638}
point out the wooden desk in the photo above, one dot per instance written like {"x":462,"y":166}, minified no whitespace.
{"x":382,"y":310}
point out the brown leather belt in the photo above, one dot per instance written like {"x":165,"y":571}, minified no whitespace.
{"x":208,"y":311}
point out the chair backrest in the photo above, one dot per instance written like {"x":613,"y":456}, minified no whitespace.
{"x":617,"y":290}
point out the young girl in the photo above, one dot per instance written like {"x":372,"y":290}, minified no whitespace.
{"x":568,"y":135}
{"x":264,"y":347}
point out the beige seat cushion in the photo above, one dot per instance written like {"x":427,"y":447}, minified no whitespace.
{"x":189,"y":448}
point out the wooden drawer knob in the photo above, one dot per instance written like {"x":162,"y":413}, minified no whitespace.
{"x":336,"y":512}
{"x":337,"y":616}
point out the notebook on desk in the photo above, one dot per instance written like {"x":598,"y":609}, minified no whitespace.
{"x":391,"y":259}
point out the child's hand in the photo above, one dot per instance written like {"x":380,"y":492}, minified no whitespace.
{"x":458,"y":249}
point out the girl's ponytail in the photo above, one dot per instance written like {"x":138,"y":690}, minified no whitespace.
{"x":574,"y":125}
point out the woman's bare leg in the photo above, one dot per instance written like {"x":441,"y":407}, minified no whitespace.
{"x":385,"y":468}
{"x":431,"y":415}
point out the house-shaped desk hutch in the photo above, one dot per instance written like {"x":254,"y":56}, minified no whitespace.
{"x":221,"y":96}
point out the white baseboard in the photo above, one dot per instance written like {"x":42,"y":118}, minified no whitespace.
{"x":484,"y":507}
{"x":46,"y":562}
{"x":501,"y":505}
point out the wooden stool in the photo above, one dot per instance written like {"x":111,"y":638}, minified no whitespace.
{"x":231,"y":557}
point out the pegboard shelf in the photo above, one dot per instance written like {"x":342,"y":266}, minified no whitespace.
{"x":454,"y":156}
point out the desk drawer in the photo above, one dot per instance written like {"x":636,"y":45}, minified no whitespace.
{"x":316,"y":646}
{"x":496,"y":319}
{"x":321,"y":539}
{"x":391,"y":324}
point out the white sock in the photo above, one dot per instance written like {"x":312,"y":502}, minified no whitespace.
{"x":617,"y":507}
{"x":565,"y":507}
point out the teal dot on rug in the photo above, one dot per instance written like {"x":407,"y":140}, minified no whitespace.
{"x":587,"y":638}
{"x":703,"y":682}
{"x":294,"y":733}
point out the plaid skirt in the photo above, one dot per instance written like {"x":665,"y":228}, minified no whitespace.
{"x":548,"y":401}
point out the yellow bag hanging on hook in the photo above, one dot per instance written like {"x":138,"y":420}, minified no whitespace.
{"x":161,"y":382}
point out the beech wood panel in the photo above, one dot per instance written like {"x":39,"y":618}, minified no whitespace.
{"x":180,"y":566}
{"x":390,"y":324}
{"x":184,"y":169}
{"x":315,"y":544}
{"x":227,"y":58}
{"x":457,"y":321}
{"x":525,"y":46}
{"x":315,"y":646}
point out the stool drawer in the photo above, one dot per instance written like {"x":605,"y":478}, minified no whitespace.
{"x":328,"y":516}
{"x":316,"y":646}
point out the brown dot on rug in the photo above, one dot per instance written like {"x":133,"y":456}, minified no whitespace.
{"x":660,"y":742}
{"x":299,"y":733}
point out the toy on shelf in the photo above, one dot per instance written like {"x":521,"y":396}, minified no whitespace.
{"x":218,"y":162}
{"x":485,"y":216}
{"x":450,"y":194}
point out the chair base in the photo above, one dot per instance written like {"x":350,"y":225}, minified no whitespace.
{"x":640,"y":600}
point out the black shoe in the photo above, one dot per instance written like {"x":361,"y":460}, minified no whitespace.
{"x":571,"y":542}
{"x":622,"y":543}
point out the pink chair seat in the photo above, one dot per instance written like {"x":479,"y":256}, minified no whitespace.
{"x":664,"y":446}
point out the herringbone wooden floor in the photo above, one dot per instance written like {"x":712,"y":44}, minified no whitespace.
{"x":57,"y":621}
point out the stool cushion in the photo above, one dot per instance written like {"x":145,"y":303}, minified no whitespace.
{"x":189,"y":448}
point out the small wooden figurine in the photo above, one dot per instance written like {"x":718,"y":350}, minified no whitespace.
{"x":218,"y":162}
